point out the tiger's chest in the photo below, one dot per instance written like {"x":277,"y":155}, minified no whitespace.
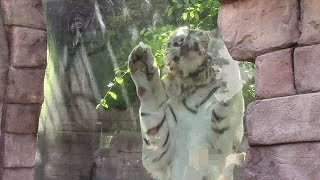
{"x":193,"y":127}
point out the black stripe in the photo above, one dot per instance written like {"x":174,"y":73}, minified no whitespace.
{"x":215,"y":117}
{"x":220,"y":131}
{"x":199,"y":70}
{"x":227,"y":103}
{"x":234,"y":148}
{"x":173,"y":114}
{"x":162,"y":154}
{"x":184,"y":101}
{"x":144,"y":114}
{"x":164,"y":87}
{"x":212,"y":145}
{"x":161,"y":105}
{"x":156,"y":128}
{"x":208,"y":96}
{"x":166,"y":141}
{"x":146,"y":141}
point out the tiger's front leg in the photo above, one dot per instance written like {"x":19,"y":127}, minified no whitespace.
{"x":154,"y":112}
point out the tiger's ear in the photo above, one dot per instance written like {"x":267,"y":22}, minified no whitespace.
{"x":215,"y":33}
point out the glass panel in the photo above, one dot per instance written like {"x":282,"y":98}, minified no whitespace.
{"x":190,"y":122}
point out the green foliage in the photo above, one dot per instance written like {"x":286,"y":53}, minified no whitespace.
{"x":200,"y":14}
{"x":157,"y":39}
{"x":249,"y":87}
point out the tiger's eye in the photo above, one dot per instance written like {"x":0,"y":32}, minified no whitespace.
{"x":196,"y":46}
{"x":176,"y":59}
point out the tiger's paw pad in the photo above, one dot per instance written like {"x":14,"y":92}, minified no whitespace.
{"x":141,"y":59}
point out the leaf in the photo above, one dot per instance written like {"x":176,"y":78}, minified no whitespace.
{"x":142,"y":31}
{"x":186,"y":1}
{"x":147,"y":33}
{"x":164,"y":76}
{"x":179,"y":6}
{"x":113,"y":95}
{"x":191,"y":14}
{"x":170,"y":11}
{"x":98,"y":106}
{"x":184,"y":16}
{"x":104,"y":103}
{"x":196,"y":15}
{"x":119,"y":80}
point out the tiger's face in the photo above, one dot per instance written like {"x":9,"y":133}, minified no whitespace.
{"x":186,"y":52}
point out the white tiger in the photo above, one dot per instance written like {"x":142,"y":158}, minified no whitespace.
{"x":191,"y":120}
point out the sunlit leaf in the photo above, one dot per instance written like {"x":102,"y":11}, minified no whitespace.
{"x":119,"y":80}
{"x":191,"y":14}
{"x":98,"y":106}
{"x":196,"y":15}
{"x":184,"y":16}
{"x":164,"y":76}
{"x":104,"y":103}
{"x":113,"y":95}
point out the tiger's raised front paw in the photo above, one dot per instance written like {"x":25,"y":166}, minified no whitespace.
{"x":141,"y":59}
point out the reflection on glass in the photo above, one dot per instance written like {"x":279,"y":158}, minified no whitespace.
{"x":192,"y":94}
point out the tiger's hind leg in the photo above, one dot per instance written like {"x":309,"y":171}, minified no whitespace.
{"x":154,"y":113}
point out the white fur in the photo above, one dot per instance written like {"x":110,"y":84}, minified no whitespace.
{"x":190,"y":154}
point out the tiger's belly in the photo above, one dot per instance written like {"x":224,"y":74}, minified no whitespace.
{"x":192,"y":134}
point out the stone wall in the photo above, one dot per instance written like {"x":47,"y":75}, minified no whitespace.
{"x":22,"y":64}
{"x":282,"y":38}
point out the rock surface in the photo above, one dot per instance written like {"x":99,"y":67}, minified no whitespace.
{"x":251,"y":28}
{"x":28,"y":47}
{"x":284,"y":120}
{"x":19,"y":150}
{"x":306,"y":68}
{"x":22,"y":118}
{"x":25,"y":86}
{"x":26,"y":13}
{"x":310,"y":26}
{"x":290,"y":161}
{"x":18,"y":174}
{"x":274,"y":75}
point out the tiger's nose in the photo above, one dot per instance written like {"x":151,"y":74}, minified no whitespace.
{"x":185,"y":48}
